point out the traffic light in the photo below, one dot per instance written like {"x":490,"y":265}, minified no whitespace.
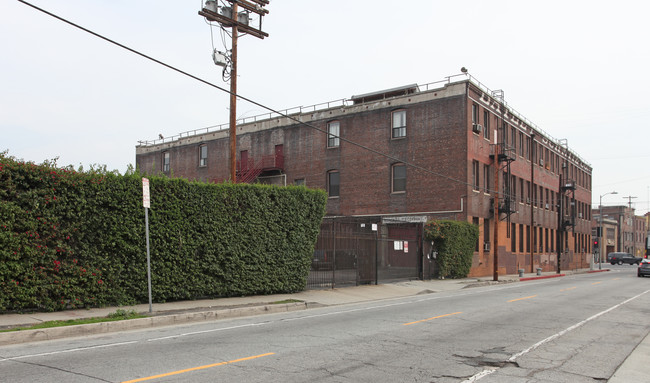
{"x":595,"y":243}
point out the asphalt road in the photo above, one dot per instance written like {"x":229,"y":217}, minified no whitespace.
{"x":572,"y":329}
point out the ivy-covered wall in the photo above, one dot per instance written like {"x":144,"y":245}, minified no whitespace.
{"x":77,"y":239}
{"x":455,"y":242}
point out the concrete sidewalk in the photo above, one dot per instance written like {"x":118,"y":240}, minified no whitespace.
{"x":165,"y":314}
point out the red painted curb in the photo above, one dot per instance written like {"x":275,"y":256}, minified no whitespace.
{"x":541,"y":277}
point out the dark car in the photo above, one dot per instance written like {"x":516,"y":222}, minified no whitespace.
{"x":321,"y":261}
{"x":622,"y":258}
{"x":644,"y":268}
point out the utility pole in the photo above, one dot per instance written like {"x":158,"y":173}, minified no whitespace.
{"x":532,"y":203}
{"x":499,"y":151}
{"x":231,"y":17}
{"x":496,"y":216}
{"x":625,"y":214}
{"x":629,"y":201}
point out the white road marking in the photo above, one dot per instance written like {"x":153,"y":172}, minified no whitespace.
{"x":550,"y":338}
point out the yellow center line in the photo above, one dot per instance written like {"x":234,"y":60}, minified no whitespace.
{"x":519,"y":299}
{"x":570,"y":288}
{"x":616,"y":279}
{"x":595,"y":283}
{"x":425,"y":320}
{"x":197,"y":368}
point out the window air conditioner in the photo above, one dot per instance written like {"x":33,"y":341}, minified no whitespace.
{"x":477,"y":128}
{"x":486,"y":246}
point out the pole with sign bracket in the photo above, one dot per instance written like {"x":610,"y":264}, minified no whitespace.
{"x":146,"y":203}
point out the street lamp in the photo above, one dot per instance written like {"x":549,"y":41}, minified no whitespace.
{"x":600,"y":230}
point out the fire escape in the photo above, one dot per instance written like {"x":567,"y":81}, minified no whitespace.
{"x":503,"y":155}
{"x":250,"y":168}
{"x":566,"y":208}
{"x":568,"y":188}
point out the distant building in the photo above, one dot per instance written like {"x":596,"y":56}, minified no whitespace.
{"x":609,"y":239}
{"x":410,"y":154}
{"x":632,"y":230}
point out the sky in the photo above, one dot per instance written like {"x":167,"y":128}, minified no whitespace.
{"x":573,"y":68}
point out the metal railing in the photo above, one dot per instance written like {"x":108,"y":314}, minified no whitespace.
{"x":299,"y":110}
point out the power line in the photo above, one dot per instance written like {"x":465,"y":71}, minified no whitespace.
{"x":407,"y":163}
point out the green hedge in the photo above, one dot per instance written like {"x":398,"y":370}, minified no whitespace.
{"x":455,"y":242}
{"x":77,"y":239}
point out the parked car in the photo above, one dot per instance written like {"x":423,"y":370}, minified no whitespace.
{"x":622,"y":258}
{"x":321,"y":261}
{"x":644,"y":268}
{"x":341,"y":258}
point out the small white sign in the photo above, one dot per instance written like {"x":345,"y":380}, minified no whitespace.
{"x":145,"y":193}
{"x":406,"y":247}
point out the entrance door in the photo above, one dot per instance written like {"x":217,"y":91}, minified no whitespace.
{"x":243,"y":159}
{"x":279,"y":156}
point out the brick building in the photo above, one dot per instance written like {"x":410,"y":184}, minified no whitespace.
{"x":632,"y":229}
{"x":399,"y":157}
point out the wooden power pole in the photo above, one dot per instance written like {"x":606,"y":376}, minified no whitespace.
{"x":231,"y":17}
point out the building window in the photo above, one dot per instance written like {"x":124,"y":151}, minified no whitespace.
{"x":399,"y":124}
{"x":399,"y":178}
{"x":299,"y":182}
{"x":486,"y":233}
{"x":486,"y":178}
{"x":478,"y":239}
{"x":475,"y":177}
{"x":333,"y":183}
{"x":333,"y":130}
{"x":203,"y":155}
{"x":474,"y":114}
{"x":486,"y":124}
{"x":165,"y":161}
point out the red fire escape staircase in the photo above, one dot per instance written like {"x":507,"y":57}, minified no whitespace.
{"x":247,"y":172}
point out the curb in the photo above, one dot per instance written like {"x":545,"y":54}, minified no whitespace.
{"x":541,"y":277}
{"x":25,"y":336}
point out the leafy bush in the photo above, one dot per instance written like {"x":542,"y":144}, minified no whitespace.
{"x":77,"y":239}
{"x":455,"y":242}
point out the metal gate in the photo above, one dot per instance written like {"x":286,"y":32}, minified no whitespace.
{"x":355,"y":251}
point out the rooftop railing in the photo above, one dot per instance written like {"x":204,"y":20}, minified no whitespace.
{"x":299,"y":110}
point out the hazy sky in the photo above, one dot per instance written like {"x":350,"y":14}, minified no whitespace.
{"x":574,"y":68}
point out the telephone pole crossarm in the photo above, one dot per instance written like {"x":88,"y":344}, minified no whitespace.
{"x":230,"y":17}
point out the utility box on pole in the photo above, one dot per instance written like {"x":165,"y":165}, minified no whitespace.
{"x":231,"y":17}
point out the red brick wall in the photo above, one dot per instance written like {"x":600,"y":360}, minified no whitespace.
{"x":439,"y":140}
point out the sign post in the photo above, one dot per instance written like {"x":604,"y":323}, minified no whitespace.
{"x":146,"y":197}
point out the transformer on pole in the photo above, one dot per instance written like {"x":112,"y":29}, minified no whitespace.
{"x":238,"y":20}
